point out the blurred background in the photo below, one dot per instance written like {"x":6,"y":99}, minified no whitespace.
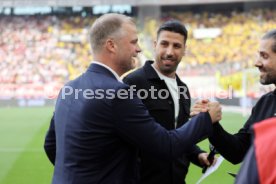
{"x":44,"y":43}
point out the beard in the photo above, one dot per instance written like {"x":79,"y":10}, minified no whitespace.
{"x":168,"y":69}
{"x":128,"y":65}
{"x":268,"y":79}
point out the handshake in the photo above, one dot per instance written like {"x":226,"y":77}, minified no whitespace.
{"x":205,"y":105}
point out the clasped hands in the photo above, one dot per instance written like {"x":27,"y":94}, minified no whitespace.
{"x":205,"y":105}
{"x":214,"y":110}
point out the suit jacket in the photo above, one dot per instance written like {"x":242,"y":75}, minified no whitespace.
{"x":154,"y":170}
{"x":96,"y":137}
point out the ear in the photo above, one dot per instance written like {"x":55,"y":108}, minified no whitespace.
{"x":185,"y":49}
{"x":154,"y":44}
{"x":110,"y":45}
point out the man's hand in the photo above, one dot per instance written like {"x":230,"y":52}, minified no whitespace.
{"x":215,"y":111}
{"x":203,"y":160}
{"x":199,"y":106}
{"x":205,"y":105}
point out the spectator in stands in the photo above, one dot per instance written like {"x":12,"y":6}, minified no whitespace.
{"x":172,"y":112}
{"x":234,"y":147}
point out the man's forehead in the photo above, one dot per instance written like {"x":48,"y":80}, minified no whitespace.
{"x":266,"y":44}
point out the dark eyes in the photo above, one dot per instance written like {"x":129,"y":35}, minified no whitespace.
{"x":263,"y":55}
{"x":167,"y":44}
{"x":134,"y":41}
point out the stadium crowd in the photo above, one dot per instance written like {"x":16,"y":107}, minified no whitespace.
{"x":46,"y":49}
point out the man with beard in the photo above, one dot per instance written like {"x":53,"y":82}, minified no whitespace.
{"x":171,"y":108}
{"x":234,"y":147}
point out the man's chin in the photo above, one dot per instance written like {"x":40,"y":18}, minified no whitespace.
{"x":168,"y":69}
{"x":265,"y":82}
{"x":130,"y":67}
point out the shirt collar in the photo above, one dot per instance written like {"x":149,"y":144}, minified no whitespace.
{"x":107,"y":67}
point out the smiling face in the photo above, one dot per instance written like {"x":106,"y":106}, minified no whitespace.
{"x":169,"y":50}
{"x":266,"y":62}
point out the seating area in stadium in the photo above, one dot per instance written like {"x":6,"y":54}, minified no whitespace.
{"x":44,"y":49}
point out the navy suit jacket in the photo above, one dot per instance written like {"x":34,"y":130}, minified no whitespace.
{"x":95,"y":140}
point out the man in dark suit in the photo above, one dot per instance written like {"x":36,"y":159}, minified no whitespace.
{"x":99,"y":124}
{"x":171,"y":112}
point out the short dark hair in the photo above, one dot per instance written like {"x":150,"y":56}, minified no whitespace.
{"x":271,"y":35}
{"x":173,"y":26}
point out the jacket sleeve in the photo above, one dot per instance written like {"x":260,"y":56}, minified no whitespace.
{"x":232,"y":147}
{"x":193,"y":156}
{"x":50,"y":142}
{"x":133,"y":123}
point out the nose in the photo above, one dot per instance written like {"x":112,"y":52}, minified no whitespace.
{"x":258,"y":62}
{"x":138,"y":48}
{"x":169,"y":51}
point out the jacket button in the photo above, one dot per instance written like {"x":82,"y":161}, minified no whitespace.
{"x":170,"y":102}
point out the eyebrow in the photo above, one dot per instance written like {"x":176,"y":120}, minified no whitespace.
{"x":164,"y":40}
{"x":262,"y":52}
